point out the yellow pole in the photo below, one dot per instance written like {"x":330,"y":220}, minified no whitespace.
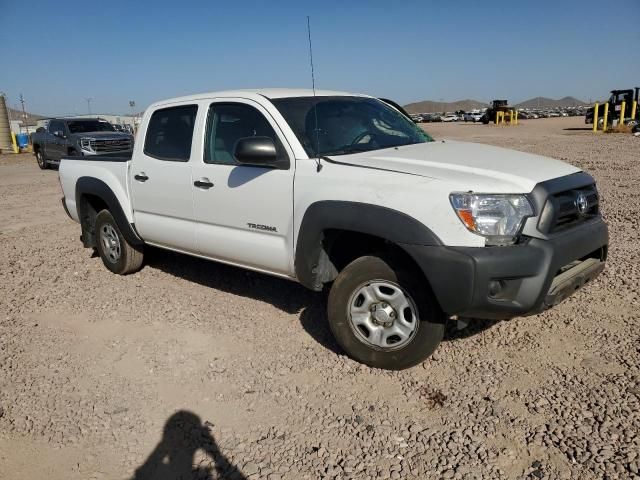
{"x":595,"y":117}
{"x":14,"y":143}
{"x":516,"y":117}
{"x":497,"y":116}
{"x":634,"y":105}
{"x":622,"y":107}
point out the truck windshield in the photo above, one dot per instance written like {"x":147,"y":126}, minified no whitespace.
{"x":341,"y":125}
{"x":86,"y":126}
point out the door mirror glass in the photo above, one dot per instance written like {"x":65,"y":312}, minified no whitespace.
{"x":258,"y":151}
{"x":59,"y":133}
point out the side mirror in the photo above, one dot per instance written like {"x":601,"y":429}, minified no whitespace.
{"x":257,"y":151}
{"x":59,"y":133}
{"x":39,"y":129}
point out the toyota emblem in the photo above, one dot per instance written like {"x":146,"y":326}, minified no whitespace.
{"x":582,"y":204}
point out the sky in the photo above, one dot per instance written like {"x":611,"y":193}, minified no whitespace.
{"x":58,"y":53}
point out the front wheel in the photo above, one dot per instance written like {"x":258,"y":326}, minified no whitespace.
{"x":42,"y":161}
{"x":116,"y":253}
{"x":382,"y":315}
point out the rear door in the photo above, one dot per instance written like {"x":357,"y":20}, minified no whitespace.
{"x":244,"y":213}
{"x":160,"y":179}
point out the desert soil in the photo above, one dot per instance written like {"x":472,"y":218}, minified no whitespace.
{"x":190,"y":369}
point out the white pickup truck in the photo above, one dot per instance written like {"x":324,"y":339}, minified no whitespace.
{"x":344,"y":191}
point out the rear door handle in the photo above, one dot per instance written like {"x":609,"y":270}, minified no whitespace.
{"x":141,"y":177}
{"x":203,"y":183}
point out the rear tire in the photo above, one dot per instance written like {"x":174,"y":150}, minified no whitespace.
{"x":41,"y":159}
{"x":116,"y":253}
{"x":365,"y":328}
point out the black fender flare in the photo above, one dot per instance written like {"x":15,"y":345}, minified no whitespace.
{"x":391,"y":225}
{"x":92,"y":186}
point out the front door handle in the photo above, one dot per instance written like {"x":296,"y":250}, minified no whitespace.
{"x":203,"y":183}
{"x":141,"y":177}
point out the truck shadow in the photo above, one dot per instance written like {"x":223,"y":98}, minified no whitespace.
{"x":475,"y":327}
{"x":290,"y":297}
{"x":173,"y":458}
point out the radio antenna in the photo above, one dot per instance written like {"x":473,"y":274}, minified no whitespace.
{"x":315,"y":106}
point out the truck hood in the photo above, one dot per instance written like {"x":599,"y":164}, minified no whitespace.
{"x":104,"y":135}
{"x":471,"y":166}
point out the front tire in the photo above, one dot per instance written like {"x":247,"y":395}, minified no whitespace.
{"x":116,"y":253}
{"x":382,"y":315}
{"x":41,"y":159}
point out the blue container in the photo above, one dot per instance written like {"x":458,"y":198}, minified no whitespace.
{"x":22,"y":139}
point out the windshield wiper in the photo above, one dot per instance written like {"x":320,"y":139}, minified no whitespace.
{"x":347,"y":150}
{"x":354,"y":149}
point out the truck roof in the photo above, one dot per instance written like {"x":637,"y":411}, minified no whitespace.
{"x":76,"y":119}
{"x":270,"y":93}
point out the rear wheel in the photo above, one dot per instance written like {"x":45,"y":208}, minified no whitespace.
{"x":42,"y":161}
{"x":382,"y":315}
{"x":116,"y":253}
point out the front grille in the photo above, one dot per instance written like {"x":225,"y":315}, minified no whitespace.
{"x":566,"y":209}
{"x":107,"y":146}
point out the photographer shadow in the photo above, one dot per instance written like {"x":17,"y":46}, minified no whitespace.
{"x":173,"y":458}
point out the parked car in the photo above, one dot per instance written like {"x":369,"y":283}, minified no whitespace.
{"x":473,"y":116}
{"x":305,"y":186}
{"x":78,"y":136}
{"x":449,"y":117}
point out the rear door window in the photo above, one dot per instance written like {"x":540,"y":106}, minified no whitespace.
{"x":170,"y":133}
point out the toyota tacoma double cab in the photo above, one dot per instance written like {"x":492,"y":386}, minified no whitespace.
{"x":78,"y":137}
{"x":343,"y":192}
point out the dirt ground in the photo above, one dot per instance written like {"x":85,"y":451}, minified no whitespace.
{"x":190,"y":369}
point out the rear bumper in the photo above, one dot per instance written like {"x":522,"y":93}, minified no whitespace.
{"x":523,"y":279}
{"x":66,"y":210}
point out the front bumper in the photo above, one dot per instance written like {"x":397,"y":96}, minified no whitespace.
{"x":523,"y":279}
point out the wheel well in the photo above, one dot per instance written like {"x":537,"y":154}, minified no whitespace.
{"x":71,"y":149}
{"x":341,"y":247}
{"x":89,"y":207}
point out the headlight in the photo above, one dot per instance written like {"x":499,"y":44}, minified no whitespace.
{"x":85,"y":144}
{"x":498,"y":218}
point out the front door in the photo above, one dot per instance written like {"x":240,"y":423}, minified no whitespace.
{"x":160,"y":179}
{"x":55,"y":148}
{"x":244,"y":213}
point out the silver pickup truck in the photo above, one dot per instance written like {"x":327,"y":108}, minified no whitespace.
{"x":78,"y":137}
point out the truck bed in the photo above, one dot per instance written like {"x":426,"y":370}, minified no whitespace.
{"x":112,"y":171}
{"x":101,"y":158}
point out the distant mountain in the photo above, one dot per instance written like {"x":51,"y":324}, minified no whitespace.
{"x":427,"y":106}
{"x":543,"y":102}
{"x":32,"y":118}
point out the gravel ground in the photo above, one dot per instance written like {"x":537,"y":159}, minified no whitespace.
{"x":190,"y":369}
